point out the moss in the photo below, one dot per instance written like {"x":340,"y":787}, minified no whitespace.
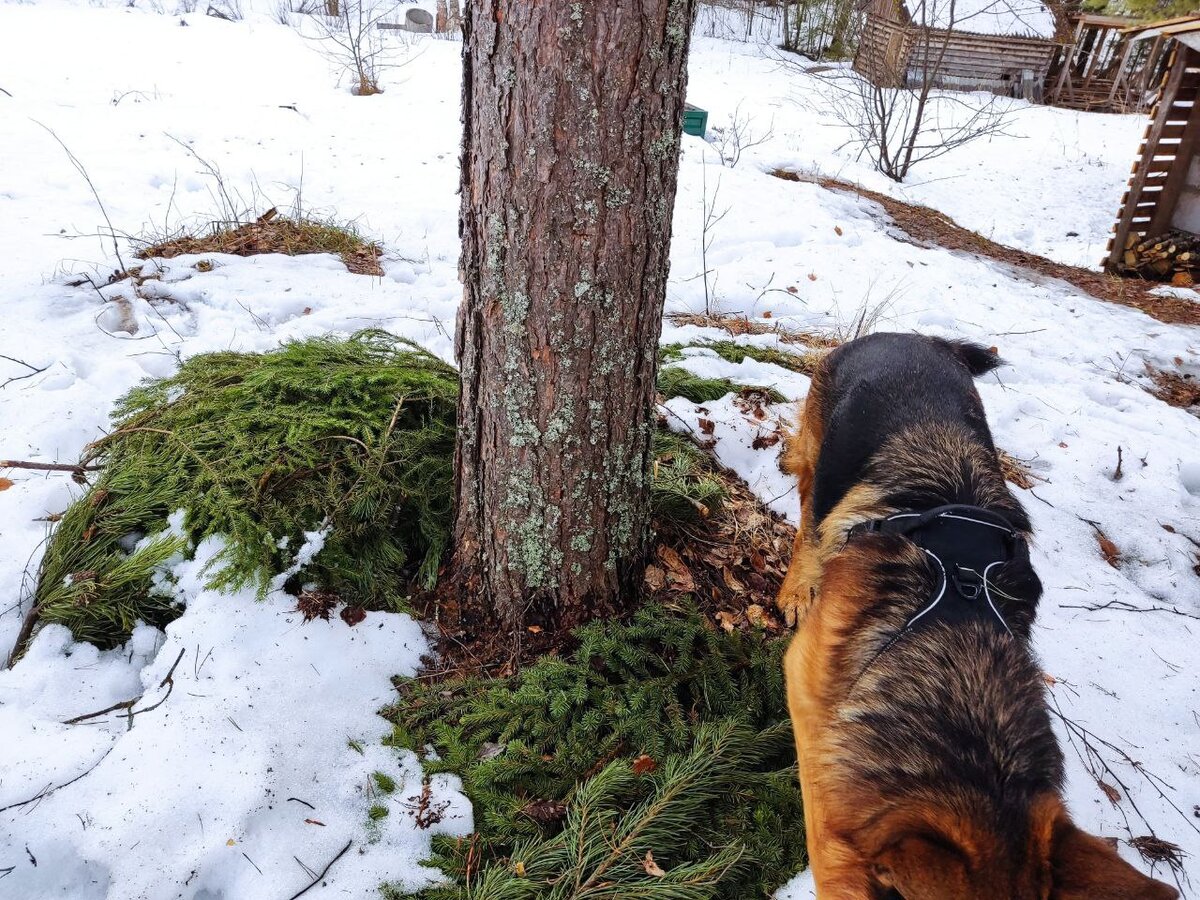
{"x":734,"y":352}
{"x":676,"y":381}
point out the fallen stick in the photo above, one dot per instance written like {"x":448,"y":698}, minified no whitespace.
{"x":23,"y":635}
{"x":325,"y":870}
{"x":127,"y":705}
{"x":1123,"y":606}
{"x":77,"y":468}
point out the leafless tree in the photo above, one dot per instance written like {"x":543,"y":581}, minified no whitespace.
{"x":350,"y":36}
{"x":896,"y":112}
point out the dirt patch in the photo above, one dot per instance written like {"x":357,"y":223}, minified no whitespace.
{"x":272,"y":233}
{"x":1175,"y":388}
{"x":925,"y":225}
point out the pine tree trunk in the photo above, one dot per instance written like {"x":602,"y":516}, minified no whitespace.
{"x":572,"y":119}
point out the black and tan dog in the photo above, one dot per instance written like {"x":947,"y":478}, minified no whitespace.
{"x":927,"y":760}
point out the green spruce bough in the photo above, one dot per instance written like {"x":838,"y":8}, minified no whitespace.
{"x":354,"y":436}
{"x":663,"y":736}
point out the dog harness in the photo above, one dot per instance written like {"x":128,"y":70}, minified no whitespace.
{"x":966,"y":543}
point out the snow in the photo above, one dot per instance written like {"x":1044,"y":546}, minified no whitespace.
{"x":248,"y":762}
{"x":264,"y":707}
{"x":1024,"y":18}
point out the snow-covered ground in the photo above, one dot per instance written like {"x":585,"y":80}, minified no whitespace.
{"x":193,"y":801}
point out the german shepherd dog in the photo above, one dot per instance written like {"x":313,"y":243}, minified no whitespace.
{"x":927,"y":761}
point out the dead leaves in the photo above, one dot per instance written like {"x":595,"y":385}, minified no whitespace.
{"x":352,"y":615}
{"x":678,"y":575}
{"x":651,"y":867}
{"x":321,"y":604}
{"x":6,"y":483}
{"x":733,"y":569}
{"x":644,"y":765}
{"x":1108,"y":549}
{"x":316,"y":605}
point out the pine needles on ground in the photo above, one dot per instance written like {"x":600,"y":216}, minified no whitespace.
{"x":656,"y":761}
{"x":354,"y":437}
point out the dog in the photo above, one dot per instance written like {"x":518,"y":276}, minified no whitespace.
{"x":927,"y":761}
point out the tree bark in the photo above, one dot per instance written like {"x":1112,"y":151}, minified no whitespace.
{"x":572,"y":115}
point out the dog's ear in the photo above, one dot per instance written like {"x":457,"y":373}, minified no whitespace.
{"x":923,"y":867}
{"x":978,"y":359}
{"x":1087,"y":868}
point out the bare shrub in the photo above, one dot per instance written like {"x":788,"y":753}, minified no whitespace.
{"x":898,"y":117}
{"x":738,"y":136}
{"x":350,"y":36}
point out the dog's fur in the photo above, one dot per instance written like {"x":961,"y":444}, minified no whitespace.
{"x":929,"y":767}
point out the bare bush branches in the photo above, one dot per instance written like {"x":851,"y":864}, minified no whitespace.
{"x":896,"y":114}
{"x":351,"y":37}
{"x":735,"y":138}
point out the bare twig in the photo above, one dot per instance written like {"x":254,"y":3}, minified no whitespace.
{"x":1124,"y":606}
{"x":127,"y":705}
{"x":23,"y":635}
{"x":317,"y":880}
{"x":33,"y":370}
{"x":112,"y":232}
{"x":48,"y":789}
{"x":75,"y":468}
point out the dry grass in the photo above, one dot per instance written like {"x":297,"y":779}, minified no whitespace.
{"x":739,"y":325}
{"x":272,"y":233}
{"x":1017,"y":471}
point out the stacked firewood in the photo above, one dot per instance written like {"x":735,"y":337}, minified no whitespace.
{"x":1167,"y":256}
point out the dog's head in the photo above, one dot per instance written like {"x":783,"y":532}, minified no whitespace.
{"x":943,"y":858}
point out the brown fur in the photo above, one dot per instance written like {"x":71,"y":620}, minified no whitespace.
{"x":929,"y":770}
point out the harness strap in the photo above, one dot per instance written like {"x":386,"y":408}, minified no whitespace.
{"x":966,"y":543}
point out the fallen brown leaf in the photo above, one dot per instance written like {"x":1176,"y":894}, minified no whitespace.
{"x":655,"y":578}
{"x":6,"y":483}
{"x":1108,"y":549}
{"x":644,"y":765}
{"x":651,"y":867}
{"x":1113,"y":795}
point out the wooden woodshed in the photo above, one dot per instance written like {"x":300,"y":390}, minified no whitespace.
{"x":1002,"y":46}
{"x":1157,"y":232}
{"x":1101,"y":69}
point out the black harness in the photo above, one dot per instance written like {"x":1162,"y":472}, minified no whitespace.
{"x":966,"y":543}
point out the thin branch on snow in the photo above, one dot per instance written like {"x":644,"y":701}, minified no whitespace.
{"x":20,"y":362}
{"x":1124,"y":606}
{"x":75,"y":468}
{"x":127,"y":705}
{"x":317,"y":879}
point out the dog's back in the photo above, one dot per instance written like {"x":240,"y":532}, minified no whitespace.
{"x":927,"y":758}
{"x":877,"y":387}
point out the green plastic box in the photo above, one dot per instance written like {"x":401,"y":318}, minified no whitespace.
{"x":695,"y":120}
